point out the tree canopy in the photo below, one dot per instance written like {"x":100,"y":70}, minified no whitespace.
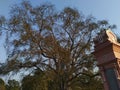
{"x":58,"y":43}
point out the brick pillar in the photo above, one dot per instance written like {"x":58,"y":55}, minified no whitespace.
{"x":107,"y":53}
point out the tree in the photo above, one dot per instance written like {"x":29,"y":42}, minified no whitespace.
{"x":34,"y":82}
{"x":13,"y":85}
{"x":58,"y":43}
{"x":2,"y":85}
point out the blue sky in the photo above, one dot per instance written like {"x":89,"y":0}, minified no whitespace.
{"x":100,"y":9}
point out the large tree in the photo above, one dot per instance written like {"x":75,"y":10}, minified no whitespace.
{"x":58,"y":43}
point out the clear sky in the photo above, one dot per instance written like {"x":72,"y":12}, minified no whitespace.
{"x":100,"y":9}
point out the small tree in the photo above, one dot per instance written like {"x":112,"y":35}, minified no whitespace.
{"x":2,"y":84}
{"x":35,"y":82}
{"x":13,"y":85}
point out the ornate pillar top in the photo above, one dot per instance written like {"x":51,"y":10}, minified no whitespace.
{"x":111,"y":36}
{"x":106,"y":35}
